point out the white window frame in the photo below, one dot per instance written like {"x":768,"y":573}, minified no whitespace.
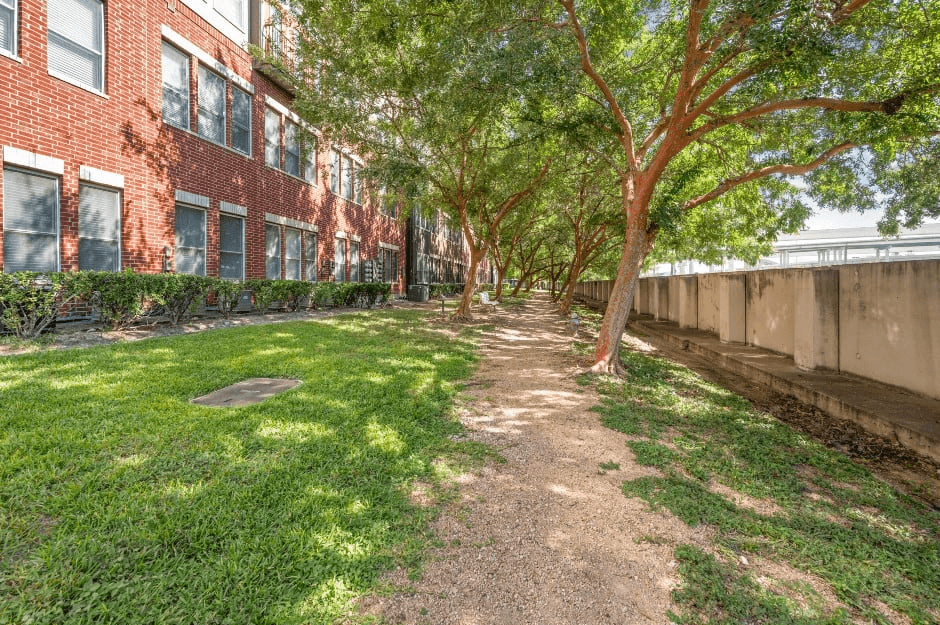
{"x":270,"y":113}
{"x":347,"y":171}
{"x":185,"y":96}
{"x":242,"y":25}
{"x":309,"y":160}
{"x":339,"y":270}
{"x":14,"y":32}
{"x":205,"y":236}
{"x":102,"y":65}
{"x":235,"y":92}
{"x":308,"y":261}
{"x":120,"y":197}
{"x":204,"y":73}
{"x":280,"y":250}
{"x":242,"y":252}
{"x":336,"y":160}
{"x":289,"y":129}
{"x":355,"y":261}
{"x":288,"y":232}
{"x":58,"y":215}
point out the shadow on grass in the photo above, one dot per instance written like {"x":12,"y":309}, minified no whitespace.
{"x":122,"y":501}
{"x":821,"y":514}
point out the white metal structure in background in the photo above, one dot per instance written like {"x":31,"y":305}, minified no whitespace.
{"x":815,"y":248}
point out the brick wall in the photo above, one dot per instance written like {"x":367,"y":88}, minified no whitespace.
{"x":123,"y":132}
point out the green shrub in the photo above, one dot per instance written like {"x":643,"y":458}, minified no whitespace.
{"x":291,"y":292}
{"x":177,"y":293}
{"x":29,"y":301}
{"x":225,"y":294}
{"x":321,"y":295}
{"x":264,"y":293}
{"x":119,"y":296}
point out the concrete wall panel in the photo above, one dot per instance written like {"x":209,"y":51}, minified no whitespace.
{"x":889,"y":323}
{"x":708,"y":294}
{"x":769,"y":310}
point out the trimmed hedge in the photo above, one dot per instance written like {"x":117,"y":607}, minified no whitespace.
{"x":30,"y":301}
{"x":437,"y":290}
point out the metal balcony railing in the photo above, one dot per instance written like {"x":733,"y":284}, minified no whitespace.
{"x":280,"y":47}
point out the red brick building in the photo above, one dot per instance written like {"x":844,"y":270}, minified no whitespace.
{"x":143,"y":135}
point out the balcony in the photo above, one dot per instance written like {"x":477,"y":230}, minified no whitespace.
{"x":279,"y":58}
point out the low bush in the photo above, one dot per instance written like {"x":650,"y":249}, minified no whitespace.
{"x":224,"y":294}
{"x":178,"y":293}
{"x":438,"y":290}
{"x":119,"y":296}
{"x":29,"y":301}
{"x":264,"y":293}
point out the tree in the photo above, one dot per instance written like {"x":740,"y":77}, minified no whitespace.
{"x":428,"y":92}
{"x":709,"y":107}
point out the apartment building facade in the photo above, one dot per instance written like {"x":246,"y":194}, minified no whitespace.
{"x":144,"y":135}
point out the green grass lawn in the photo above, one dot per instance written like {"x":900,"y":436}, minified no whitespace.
{"x":803,"y":507}
{"x":121,"y":502}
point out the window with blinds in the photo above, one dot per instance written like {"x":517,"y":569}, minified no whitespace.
{"x":272,"y":251}
{"x":8,"y":26}
{"x":76,"y":42}
{"x":291,"y":149}
{"x":334,"y":171}
{"x":358,"y":183}
{"x":310,"y":160}
{"x":30,"y":221}
{"x":347,"y":178}
{"x":99,"y":228}
{"x":310,"y":256}
{"x":354,"y":261}
{"x":340,"y":261}
{"x":211,"y":109}
{"x":272,"y":138}
{"x":390,"y":266}
{"x":292,"y":254}
{"x":231,"y":247}
{"x":190,"y":240}
{"x":175,"y":87}
{"x":241,"y":121}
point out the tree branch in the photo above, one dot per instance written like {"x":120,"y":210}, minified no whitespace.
{"x":788,"y":169}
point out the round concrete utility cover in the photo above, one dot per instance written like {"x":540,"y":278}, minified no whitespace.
{"x":246,"y":392}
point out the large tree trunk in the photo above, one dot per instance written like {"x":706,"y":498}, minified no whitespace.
{"x":466,"y":299}
{"x":607,"y":350}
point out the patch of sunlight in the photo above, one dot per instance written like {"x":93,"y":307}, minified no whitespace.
{"x":880,"y":521}
{"x":275,"y":351}
{"x":384,"y":438}
{"x":134,"y":460}
{"x":356,"y":507}
{"x":559,"y":489}
{"x":752,"y":424}
{"x":292,"y":431}
{"x":180,"y":490}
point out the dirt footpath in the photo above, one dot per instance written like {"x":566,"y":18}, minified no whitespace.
{"x":547,"y":537}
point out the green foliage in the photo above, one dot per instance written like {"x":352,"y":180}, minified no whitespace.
{"x":810,"y":508}
{"x":124,"y":502}
{"x":178,"y":293}
{"x":264,"y":292}
{"x":29,"y":301}
{"x":436,"y":291}
{"x":225,"y":294}
{"x":120,"y":297}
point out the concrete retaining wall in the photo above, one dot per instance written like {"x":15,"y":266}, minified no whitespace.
{"x":877,"y":320}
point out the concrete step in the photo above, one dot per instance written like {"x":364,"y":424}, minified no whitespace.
{"x":912,"y":420}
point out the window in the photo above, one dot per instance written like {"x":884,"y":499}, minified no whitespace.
{"x":358,"y":185}
{"x":334,"y":171}
{"x":99,"y":229}
{"x":272,"y":251}
{"x":241,"y":121}
{"x":310,"y":160}
{"x":30,"y":221}
{"x":292,"y":254}
{"x":340,"y":269}
{"x":76,"y":42}
{"x":175,"y":87}
{"x":8,"y":27}
{"x":190,"y":240}
{"x":354,"y":261}
{"x":211,"y":119}
{"x":234,"y":11}
{"x":347,"y":178}
{"x":310,"y":256}
{"x":291,"y":149}
{"x":390,"y":265}
{"x":272,"y":138}
{"x":231,"y":247}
